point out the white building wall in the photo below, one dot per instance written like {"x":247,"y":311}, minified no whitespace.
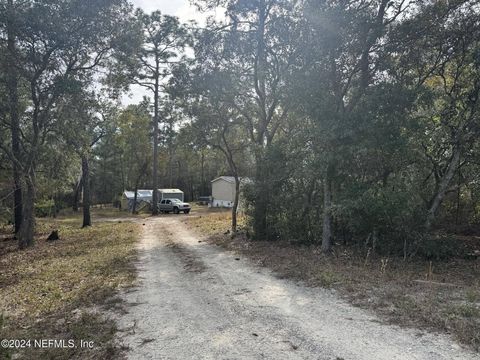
{"x":223,"y":193}
{"x":222,"y":203}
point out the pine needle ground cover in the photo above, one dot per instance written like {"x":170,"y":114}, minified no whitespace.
{"x":442,"y":295}
{"x":58,"y":290}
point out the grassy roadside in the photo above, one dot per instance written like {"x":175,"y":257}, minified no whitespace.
{"x":439,"y":296}
{"x":57,"y":290}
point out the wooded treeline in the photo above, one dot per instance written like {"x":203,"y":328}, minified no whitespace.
{"x":361,"y":116}
{"x":357,"y":120}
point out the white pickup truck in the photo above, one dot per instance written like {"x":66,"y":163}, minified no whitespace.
{"x":173,"y":205}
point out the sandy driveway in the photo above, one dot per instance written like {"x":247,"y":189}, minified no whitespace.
{"x":196,"y":302}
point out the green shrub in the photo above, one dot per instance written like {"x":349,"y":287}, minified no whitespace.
{"x":439,"y":247}
{"x":45,"y":208}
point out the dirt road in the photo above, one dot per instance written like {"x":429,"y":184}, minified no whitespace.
{"x":196,"y":302}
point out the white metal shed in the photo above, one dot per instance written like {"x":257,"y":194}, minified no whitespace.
{"x":223,"y":190}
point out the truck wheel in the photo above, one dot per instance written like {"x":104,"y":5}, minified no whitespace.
{"x":186,"y":211}
{"x":176,"y":211}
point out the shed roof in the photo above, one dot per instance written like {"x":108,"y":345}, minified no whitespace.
{"x":129,"y":194}
{"x":141,"y":194}
{"x":231,"y":179}
{"x":144,"y":192}
{"x":147,"y":194}
{"x":171,"y":191}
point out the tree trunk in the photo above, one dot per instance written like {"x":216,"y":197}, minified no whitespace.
{"x":139,"y":178}
{"x":155,"y":150}
{"x":170,"y":167}
{"x":235,"y":205}
{"x":327,"y":212}
{"x":122,"y":172}
{"x":12,"y":85}
{"x":54,"y":198}
{"x":261,"y":202}
{"x":86,"y":191}
{"x":137,"y":182}
{"x":134,"y":207}
{"x":202,"y":171}
{"x":76,"y":194}
{"x":27,"y":228}
{"x":260,"y":226}
{"x":17,"y":199}
{"x":457,"y":210}
{"x":443,"y":187}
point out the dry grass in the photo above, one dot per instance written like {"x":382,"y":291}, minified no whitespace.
{"x":446,"y":300}
{"x":104,"y":211}
{"x":50,"y":290}
{"x":214,"y":221}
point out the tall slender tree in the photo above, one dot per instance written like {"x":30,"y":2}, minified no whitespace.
{"x":152,"y":45}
